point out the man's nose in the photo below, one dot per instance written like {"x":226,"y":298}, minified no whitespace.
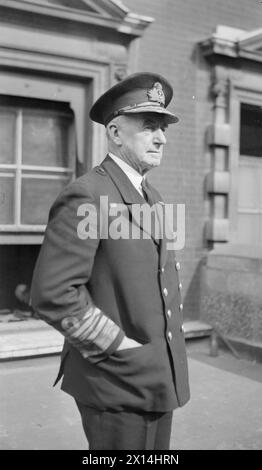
{"x":159,"y":137}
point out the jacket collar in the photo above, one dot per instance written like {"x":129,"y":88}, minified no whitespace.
{"x":131,"y":196}
{"x":127,"y":190}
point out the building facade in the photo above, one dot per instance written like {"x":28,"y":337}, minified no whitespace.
{"x":57,"y":56}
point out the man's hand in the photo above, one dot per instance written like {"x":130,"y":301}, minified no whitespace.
{"x":128,"y":343}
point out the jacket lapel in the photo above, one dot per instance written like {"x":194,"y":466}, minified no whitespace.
{"x":128,"y":193}
{"x":160,"y":209}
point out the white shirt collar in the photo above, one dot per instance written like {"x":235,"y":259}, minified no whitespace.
{"x":131,"y":173}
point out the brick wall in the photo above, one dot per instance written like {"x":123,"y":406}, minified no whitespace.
{"x":169,"y":47}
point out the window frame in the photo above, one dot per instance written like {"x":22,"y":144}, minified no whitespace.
{"x":18,"y":170}
{"x":238,"y":96}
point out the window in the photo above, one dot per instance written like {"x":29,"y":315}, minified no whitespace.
{"x":250,"y":176}
{"x":251,"y":130}
{"x":36,"y":160}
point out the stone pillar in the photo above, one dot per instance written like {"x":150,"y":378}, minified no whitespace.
{"x":217,"y":181}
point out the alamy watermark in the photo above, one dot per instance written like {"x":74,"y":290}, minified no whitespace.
{"x":112,"y":220}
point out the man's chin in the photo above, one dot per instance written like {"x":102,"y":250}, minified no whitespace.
{"x":149,"y":163}
{"x":155,"y":161}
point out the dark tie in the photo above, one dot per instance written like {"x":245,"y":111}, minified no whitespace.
{"x":147,"y":193}
{"x":155,"y":221}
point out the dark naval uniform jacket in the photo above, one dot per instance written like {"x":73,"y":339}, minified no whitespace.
{"x":97,"y":289}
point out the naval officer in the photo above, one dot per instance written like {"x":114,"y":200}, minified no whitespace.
{"x":117,"y":300}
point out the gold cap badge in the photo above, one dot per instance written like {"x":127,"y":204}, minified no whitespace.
{"x":156,"y":94}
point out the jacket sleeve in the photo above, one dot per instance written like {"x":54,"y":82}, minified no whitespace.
{"x":59,"y":292}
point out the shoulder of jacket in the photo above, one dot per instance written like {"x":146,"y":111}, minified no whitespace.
{"x":91,"y":178}
{"x":87,"y":185}
{"x":100,"y":170}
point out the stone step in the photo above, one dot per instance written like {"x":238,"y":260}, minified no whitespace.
{"x":28,"y":338}
{"x":196,"y":329}
{"x":36,"y":338}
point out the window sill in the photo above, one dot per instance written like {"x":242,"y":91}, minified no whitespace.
{"x":23,"y":238}
{"x":236,"y":258}
{"x":238,"y":251}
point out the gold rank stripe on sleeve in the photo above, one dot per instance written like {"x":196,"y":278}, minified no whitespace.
{"x":92,"y":334}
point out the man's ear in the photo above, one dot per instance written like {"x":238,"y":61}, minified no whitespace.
{"x":113,"y":132}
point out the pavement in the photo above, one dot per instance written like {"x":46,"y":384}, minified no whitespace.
{"x":225,"y":410}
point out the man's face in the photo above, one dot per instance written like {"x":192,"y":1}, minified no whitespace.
{"x":142,"y":140}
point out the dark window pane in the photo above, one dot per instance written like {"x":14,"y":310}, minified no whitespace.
{"x":45,"y":139}
{"x":7,"y":136}
{"x":251,"y":130}
{"x":7,"y":191}
{"x":37,"y":197}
